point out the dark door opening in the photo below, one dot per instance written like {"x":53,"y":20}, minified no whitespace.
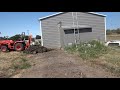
{"x":81,"y":30}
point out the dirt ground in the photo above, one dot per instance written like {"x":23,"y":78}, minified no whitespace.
{"x":59,"y":64}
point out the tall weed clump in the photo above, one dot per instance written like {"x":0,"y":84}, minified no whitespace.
{"x":91,"y":49}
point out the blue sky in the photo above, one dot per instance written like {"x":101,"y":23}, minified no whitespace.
{"x":12,"y":23}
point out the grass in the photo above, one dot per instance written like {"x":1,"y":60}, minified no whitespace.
{"x":12,"y":63}
{"x":112,"y":61}
{"x":21,"y":64}
{"x":96,"y":53}
{"x":71,"y":49}
{"x":92,"y":49}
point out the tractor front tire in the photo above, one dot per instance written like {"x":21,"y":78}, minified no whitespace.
{"x":19,"y":47}
{"x":4,"y":48}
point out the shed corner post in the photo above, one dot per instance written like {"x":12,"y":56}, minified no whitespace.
{"x":41,"y":33}
{"x":105,"y":29}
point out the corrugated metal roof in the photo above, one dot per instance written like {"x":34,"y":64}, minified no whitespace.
{"x":64,"y":12}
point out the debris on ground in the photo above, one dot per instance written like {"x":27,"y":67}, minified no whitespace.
{"x":2,"y":75}
{"x":35,"y":49}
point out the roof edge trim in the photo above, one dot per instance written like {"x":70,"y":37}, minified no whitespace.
{"x":63,"y":12}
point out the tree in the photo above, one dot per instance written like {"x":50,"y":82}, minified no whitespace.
{"x":38,"y":37}
{"x":26,"y":37}
{"x":108,"y":32}
{"x":16,"y":37}
{"x":5,"y":37}
{"x":118,"y":31}
{"x":1,"y":38}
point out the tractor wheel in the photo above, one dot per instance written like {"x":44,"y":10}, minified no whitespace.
{"x":4,"y":48}
{"x":19,"y":47}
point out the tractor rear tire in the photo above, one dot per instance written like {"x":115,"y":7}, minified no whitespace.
{"x":19,"y":47}
{"x":4,"y":48}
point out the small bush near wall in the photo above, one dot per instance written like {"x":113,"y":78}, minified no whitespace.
{"x":92,"y":49}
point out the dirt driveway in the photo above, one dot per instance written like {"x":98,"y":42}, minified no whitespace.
{"x":59,"y":64}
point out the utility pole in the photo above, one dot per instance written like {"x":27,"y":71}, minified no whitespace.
{"x":0,"y":32}
{"x":0,"y":36}
{"x":28,"y":32}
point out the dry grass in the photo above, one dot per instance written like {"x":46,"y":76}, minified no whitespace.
{"x":101,"y":56}
{"x":113,"y":37}
{"x":109,"y":61}
{"x":11,"y":63}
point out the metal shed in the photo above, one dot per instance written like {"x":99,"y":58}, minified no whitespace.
{"x":66,"y":28}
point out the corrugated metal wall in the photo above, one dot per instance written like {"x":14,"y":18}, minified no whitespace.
{"x":54,"y":37}
{"x":51,"y":32}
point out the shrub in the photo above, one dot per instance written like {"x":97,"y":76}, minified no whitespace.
{"x":109,"y":32}
{"x":92,"y":49}
{"x":71,"y":49}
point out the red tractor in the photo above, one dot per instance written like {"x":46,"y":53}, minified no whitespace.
{"x":19,"y":45}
